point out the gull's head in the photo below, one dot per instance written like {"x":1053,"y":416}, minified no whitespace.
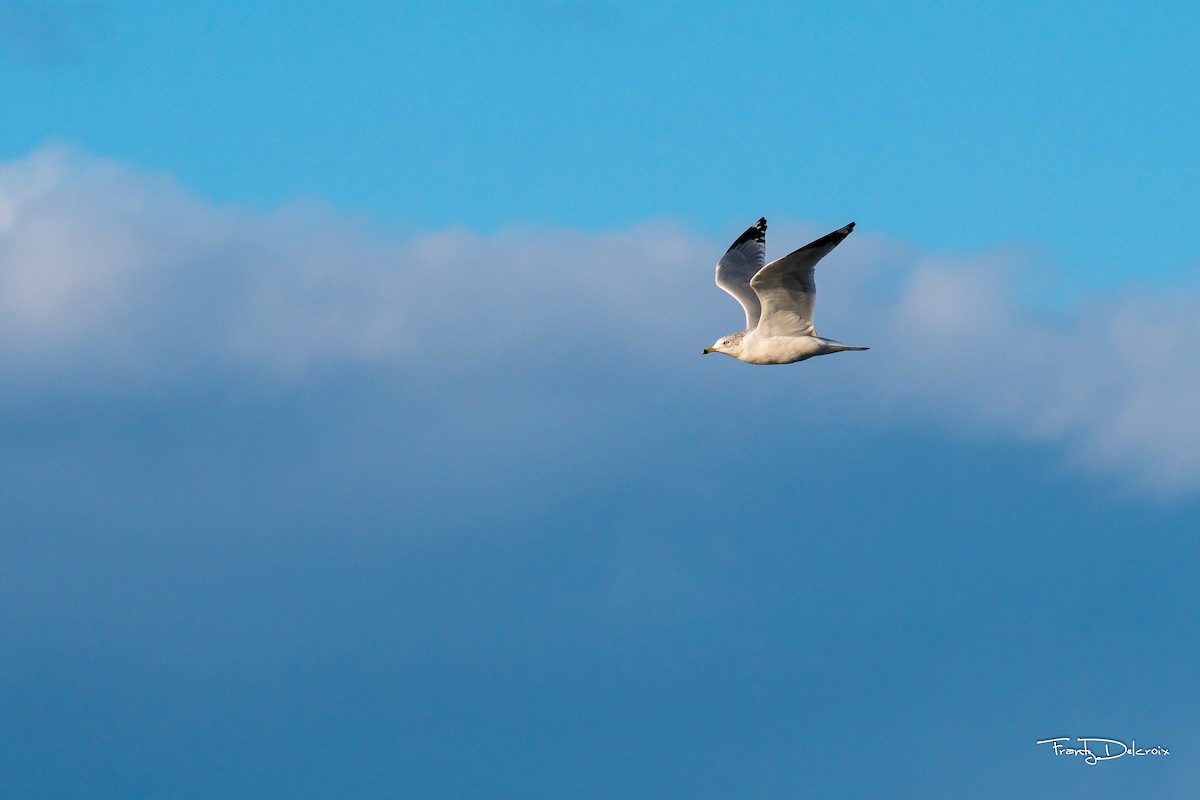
{"x":730,"y":345}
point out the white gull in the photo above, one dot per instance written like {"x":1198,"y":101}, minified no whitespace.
{"x":778,"y":299}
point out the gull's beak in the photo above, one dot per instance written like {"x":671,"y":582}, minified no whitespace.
{"x":706,"y":351}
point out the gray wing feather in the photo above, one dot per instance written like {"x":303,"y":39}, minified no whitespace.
{"x":787,"y":287}
{"x":742,"y":262}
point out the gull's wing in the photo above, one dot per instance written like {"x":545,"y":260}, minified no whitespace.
{"x":741,"y":262}
{"x":787,"y":289}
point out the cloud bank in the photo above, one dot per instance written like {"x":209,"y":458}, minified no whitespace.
{"x":116,"y":280}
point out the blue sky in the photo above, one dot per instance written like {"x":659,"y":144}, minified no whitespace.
{"x":1062,"y":126}
{"x":357,"y":441}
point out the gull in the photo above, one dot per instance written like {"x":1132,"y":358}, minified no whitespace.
{"x":778,"y":299}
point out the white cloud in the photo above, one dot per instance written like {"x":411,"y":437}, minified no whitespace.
{"x":1113,"y":378}
{"x":113,"y":276}
{"x":118,"y":272}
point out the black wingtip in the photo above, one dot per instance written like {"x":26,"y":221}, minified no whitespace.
{"x":831,"y":239}
{"x":757,"y":232}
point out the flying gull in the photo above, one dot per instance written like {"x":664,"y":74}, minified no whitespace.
{"x":778,"y":299}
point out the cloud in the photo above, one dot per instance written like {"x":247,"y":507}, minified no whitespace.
{"x":1111,"y":378}
{"x":124,"y":275}
{"x":112,"y":279}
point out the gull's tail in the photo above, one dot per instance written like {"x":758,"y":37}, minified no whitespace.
{"x":837,"y":347}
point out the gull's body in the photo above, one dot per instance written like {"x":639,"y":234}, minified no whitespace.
{"x":778,"y":299}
